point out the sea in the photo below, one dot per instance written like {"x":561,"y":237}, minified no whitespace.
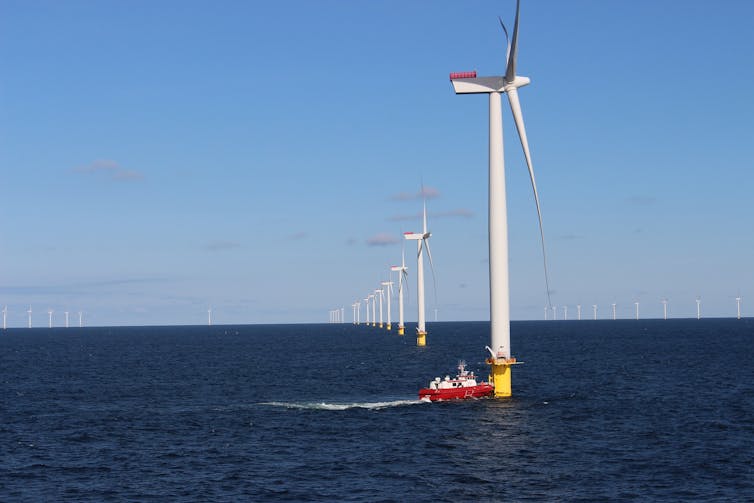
{"x":626,"y":410}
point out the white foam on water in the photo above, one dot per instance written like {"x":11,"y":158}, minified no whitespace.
{"x":342,"y":406}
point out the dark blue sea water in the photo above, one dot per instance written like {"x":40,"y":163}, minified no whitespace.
{"x":618,"y":410}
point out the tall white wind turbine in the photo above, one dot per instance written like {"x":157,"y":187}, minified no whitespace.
{"x":366,"y":308}
{"x":578,"y":311}
{"x":380,"y":293}
{"x":698,"y":308}
{"x":594,"y":309}
{"x":5,"y":315}
{"x":29,"y":313}
{"x":81,"y":322}
{"x":49,"y":312}
{"x":66,"y":319}
{"x":209,"y":317}
{"x":422,"y":242}
{"x":664,"y":309}
{"x":613,"y":311}
{"x":469,"y":83}
{"x":637,"y":309}
{"x":565,"y":312}
{"x":738,"y":309}
{"x":402,"y":277}
{"x":373,"y":300}
{"x":388,"y":287}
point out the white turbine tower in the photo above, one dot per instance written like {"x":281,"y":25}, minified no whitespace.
{"x":209,"y":317}
{"x":402,"y":276}
{"x":389,"y":288}
{"x":29,"y":313}
{"x":738,"y":309}
{"x":594,"y":309}
{"x":613,"y":311}
{"x":49,"y":312}
{"x":380,"y":294}
{"x":545,"y":312}
{"x":565,"y":312}
{"x":366,"y":308}
{"x":373,"y":300}
{"x":554,"y":312}
{"x":353,"y":308}
{"x":422,"y":241}
{"x":5,"y":315}
{"x":578,"y":311}
{"x":81,"y":322}
{"x":664,"y":309}
{"x":468,"y":83}
{"x":66,"y":319}
{"x":637,"y":309}
{"x":698,"y":308}
{"x":342,"y":314}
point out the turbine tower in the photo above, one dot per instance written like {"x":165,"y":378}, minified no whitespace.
{"x":554,"y":313}
{"x":49,"y":312}
{"x":29,"y":313}
{"x":366,"y":308}
{"x":389,"y":287}
{"x":738,"y":309}
{"x":545,"y":312}
{"x":664,"y":309}
{"x":66,"y":319}
{"x":342,"y":314}
{"x":5,"y":315}
{"x":374,"y":309}
{"x":402,"y":275}
{"x":594,"y":309}
{"x":637,"y":309}
{"x":578,"y":311}
{"x":469,"y":83}
{"x":613,"y":311}
{"x":358,"y":312}
{"x":380,"y":294}
{"x":209,"y":317}
{"x":565,"y":312}
{"x":698,"y":308}
{"x":81,"y":323}
{"x":422,"y":241}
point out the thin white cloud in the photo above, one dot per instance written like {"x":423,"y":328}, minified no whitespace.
{"x":111,"y":169}
{"x":425,"y":193}
{"x":458,"y":212}
{"x":382,"y":239}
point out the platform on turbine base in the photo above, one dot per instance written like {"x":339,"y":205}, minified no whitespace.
{"x":500,"y":375}
{"x":389,"y":326}
{"x":421,"y":338}
{"x":401,"y":330}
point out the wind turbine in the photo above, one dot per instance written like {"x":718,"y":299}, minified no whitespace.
{"x":637,"y":309}
{"x":29,"y":312}
{"x":545,"y":312}
{"x":366,"y":308}
{"x":5,"y":315}
{"x":422,"y":241}
{"x":698,"y":308}
{"x":66,"y":319}
{"x":374,"y":309}
{"x":554,"y":313}
{"x":402,"y":275}
{"x":565,"y":312}
{"x":613,"y":311}
{"x":738,"y":309}
{"x":342,"y":314}
{"x":594,"y":308}
{"x":389,"y":287}
{"x":578,"y":311}
{"x":49,"y":312}
{"x":81,"y":323}
{"x":665,"y":309}
{"x":379,"y":293}
{"x":468,"y":83}
{"x":209,"y":317}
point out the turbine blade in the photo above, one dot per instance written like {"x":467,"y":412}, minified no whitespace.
{"x":432,"y":267}
{"x":519,"y":119}
{"x":507,"y":41}
{"x":510,"y":71}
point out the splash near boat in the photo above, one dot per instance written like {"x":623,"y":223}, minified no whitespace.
{"x":463,"y":386}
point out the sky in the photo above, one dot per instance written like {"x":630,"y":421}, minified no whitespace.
{"x":158,"y":158}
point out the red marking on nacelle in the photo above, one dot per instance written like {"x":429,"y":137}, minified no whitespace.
{"x":463,"y":75}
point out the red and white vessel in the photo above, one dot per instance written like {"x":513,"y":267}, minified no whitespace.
{"x":461,"y":387}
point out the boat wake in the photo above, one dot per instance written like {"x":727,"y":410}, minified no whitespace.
{"x":342,"y":406}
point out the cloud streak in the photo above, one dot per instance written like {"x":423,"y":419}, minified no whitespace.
{"x":110,"y":169}
{"x":456,"y":213}
{"x":382,"y":239}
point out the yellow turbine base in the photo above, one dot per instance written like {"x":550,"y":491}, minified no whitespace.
{"x":400,"y":331}
{"x":374,"y":324}
{"x":380,"y":325}
{"x":389,"y":326}
{"x":421,"y":338}
{"x":501,"y":379}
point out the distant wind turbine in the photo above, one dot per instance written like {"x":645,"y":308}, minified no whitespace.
{"x":342,"y":314}
{"x":29,"y":313}
{"x":66,"y":319}
{"x":738,"y":309}
{"x":380,"y":294}
{"x":698,"y":308}
{"x":554,"y":312}
{"x":578,"y":311}
{"x":545,"y":312}
{"x":50,"y":313}
{"x":665,"y":309}
{"x":389,"y":289}
{"x":5,"y":315}
{"x":468,"y":83}
{"x":565,"y":312}
{"x":637,"y":309}
{"x":594,"y":309}
{"x":613,"y":311}
{"x":81,"y":323}
{"x":209,"y":317}
{"x":402,"y":278}
{"x":373,"y":300}
{"x":422,"y":241}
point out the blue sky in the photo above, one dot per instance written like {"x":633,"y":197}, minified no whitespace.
{"x":263,"y":158}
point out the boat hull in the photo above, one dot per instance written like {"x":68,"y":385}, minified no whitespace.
{"x":460,"y":393}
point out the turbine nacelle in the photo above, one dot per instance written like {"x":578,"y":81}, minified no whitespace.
{"x":482,"y":85}
{"x":415,"y":236}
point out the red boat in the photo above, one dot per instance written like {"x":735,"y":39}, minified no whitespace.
{"x":461,"y":387}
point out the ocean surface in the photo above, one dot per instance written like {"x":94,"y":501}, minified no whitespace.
{"x":603,"y":410}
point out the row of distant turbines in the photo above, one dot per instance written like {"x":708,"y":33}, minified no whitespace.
{"x":664,"y":303}
{"x":50,"y":312}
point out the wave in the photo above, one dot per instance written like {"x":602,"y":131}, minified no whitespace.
{"x":342,"y":406}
